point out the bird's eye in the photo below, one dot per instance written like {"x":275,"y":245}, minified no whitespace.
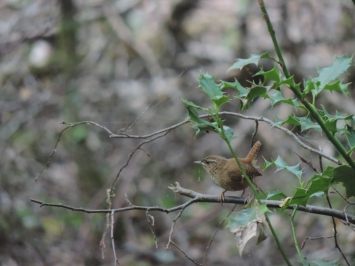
{"x":207,"y":162}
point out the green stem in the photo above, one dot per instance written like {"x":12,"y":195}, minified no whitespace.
{"x":259,"y":201}
{"x":294,"y":234}
{"x":314,"y":113}
{"x":223,"y":135}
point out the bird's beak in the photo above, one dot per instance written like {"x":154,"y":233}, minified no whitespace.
{"x":199,"y":162}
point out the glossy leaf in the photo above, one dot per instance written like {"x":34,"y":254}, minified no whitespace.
{"x":339,"y":66}
{"x":253,"y":59}
{"x":282,"y":165}
{"x":271,"y":75}
{"x":276,"y":195}
{"x":198,"y":123}
{"x":209,"y":86}
{"x":278,"y":97}
{"x":346,"y":175}
{"x":305,"y":123}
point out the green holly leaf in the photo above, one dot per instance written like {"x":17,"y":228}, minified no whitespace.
{"x":338,"y":86}
{"x":256,"y":92}
{"x":331,"y":120}
{"x":299,"y":198}
{"x":331,"y":125}
{"x":350,"y":136}
{"x":267,"y":164}
{"x":195,"y":106}
{"x":324,"y":113}
{"x":317,"y":186}
{"x":229,"y":133}
{"x":305,"y":123}
{"x":253,"y":59}
{"x":198,"y":123}
{"x":242,"y":92}
{"x":282,"y":165}
{"x":278,"y":97}
{"x":339,"y":66}
{"x":309,"y":86}
{"x":346,"y":175}
{"x":318,"y":183}
{"x":276,"y":195}
{"x":327,"y":76}
{"x":272,"y":75}
{"x":209,"y":86}
{"x":297,"y":104}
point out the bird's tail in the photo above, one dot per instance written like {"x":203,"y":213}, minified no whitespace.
{"x":253,"y":152}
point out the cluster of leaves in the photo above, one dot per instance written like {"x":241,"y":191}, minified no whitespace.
{"x":272,"y":88}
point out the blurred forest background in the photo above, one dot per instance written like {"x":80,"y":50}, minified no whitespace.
{"x":126,"y":64}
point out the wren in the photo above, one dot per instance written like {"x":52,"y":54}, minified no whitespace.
{"x":226,"y":172}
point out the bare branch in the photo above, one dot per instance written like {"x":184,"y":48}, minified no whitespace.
{"x":215,"y":233}
{"x":130,"y":157}
{"x":336,"y":233}
{"x":172,"y":227}
{"x":172,"y":242}
{"x":112,"y":238}
{"x":197,"y":197}
{"x":150,"y":219}
{"x":60,"y":136}
{"x":255,"y":118}
{"x":333,"y":219}
{"x":313,"y":238}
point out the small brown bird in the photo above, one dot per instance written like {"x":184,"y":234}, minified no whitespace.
{"x":226,"y":172}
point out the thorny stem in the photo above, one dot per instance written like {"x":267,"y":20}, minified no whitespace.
{"x":299,"y":94}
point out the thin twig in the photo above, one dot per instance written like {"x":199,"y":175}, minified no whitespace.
{"x":346,"y":216}
{"x":336,"y":232}
{"x":313,"y":238}
{"x":341,"y":195}
{"x":172,"y":227}
{"x":172,"y":242}
{"x":255,"y":132}
{"x":112,"y":238}
{"x":60,"y":136}
{"x":132,"y":153}
{"x":333,"y":219}
{"x":215,"y":233}
{"x":150,"y":219}
{"x":129,"y":203}
{"x":255,"y":118}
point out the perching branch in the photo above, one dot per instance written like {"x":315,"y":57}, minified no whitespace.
{"x":198,"y":197}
